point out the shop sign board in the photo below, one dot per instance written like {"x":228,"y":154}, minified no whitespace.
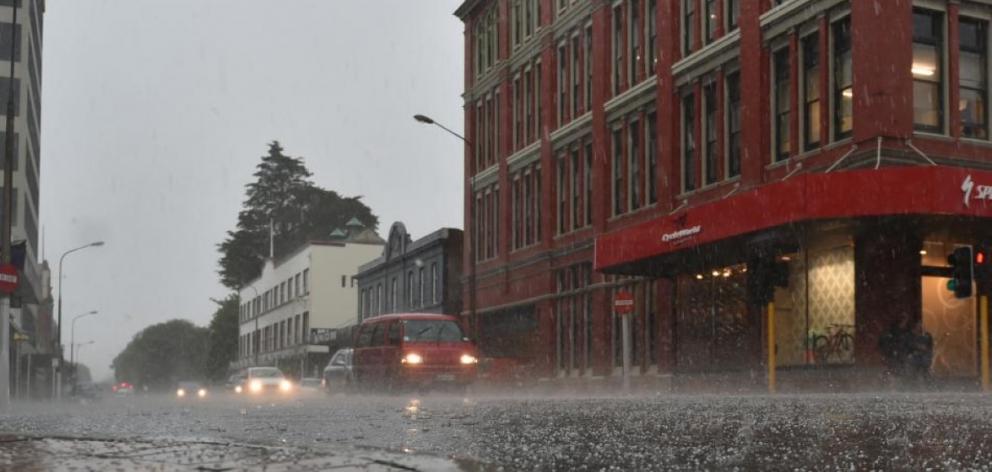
{"x":975,"y":192}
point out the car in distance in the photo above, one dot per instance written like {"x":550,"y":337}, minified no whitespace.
{"x":235,"y":382}
{"x":266,"y":380}
{"x":337,"y":373}
{"x":190,"y":390}
{"x":122,"y":389}
{"x":413,"y":350}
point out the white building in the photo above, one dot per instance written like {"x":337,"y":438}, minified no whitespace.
{"x":302,"y":299}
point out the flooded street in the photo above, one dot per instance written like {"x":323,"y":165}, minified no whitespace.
{"x":821,"y":432}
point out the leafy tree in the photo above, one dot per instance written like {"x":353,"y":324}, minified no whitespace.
{"x":298,"y":210}
{"x":163,"y":354}
{"x":222,"y":338}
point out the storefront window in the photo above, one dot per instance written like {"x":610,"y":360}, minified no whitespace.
{"x":815,"y":313}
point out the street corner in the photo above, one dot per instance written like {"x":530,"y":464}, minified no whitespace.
{"x":28,"y":453}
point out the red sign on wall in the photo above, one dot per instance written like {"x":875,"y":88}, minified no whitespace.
{"x":8,"y":278}
{"x":623,"y":303}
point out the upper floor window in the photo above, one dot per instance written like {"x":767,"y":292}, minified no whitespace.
{"x":928,"y":96}
{"x":973,"y":73}
{"x":634,"y":40}
{"x":733,"y":106}
{"x":562,"y":80}
{"x":710,"y":20}
{"x":781,"y":98}
{"x":688,"y":25}
{"x":635,"y":161}
{"x":710,"y":102}
{"x":575,"y":77}
{"x":652,"y":37}
{"x":618,"y":174}
{"x":732,"y":13}
{"x":486,"y":41}
{"x":617,"y":48}
{"x":843,"y":79}
{"x":811,"y":91}
{"x":688,"y":143}
{"x":587,"y":66}
{"x":651,"y":148}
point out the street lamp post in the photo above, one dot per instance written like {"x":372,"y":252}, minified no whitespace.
{"x":72,"y":341}
{"x":58,"y":378}
{"x":470,"y":207}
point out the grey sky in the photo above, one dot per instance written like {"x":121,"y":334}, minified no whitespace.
{"x":156,"y":111}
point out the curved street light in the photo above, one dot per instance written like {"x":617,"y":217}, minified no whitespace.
{"x":470,"y":220}
{"x":58,"y":378}
{"x":72,"y":337}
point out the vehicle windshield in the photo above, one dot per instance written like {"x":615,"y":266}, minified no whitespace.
{"x":431,"y":330}
{"x":266,"y":373}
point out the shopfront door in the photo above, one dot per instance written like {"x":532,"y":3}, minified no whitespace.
{"x":951,"y":322}
{"x":714,"y":329}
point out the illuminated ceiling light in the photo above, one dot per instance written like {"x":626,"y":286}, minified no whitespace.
{"x":715,"y":273}
{"x":848,"y":93}
{"x":699,"y":276}
{"x":923,"y":70}
{"x":923,"y":252}
{"x":726,"y":273}
{"x":785,"y":258}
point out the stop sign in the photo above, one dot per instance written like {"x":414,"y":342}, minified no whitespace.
{"x":8,"y":278}
{"x":623,"y":302}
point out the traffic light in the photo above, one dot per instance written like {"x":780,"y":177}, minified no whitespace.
{"x":763,"y":275}
{"x":982,"y":268}
{"x":962,"y":270}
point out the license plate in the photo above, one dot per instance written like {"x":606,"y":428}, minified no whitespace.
{"x":445,"y":377}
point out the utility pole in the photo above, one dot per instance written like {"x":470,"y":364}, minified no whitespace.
{"x":8,"y":211}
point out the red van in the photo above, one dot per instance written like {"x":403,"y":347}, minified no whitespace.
{"x":413,"y":349}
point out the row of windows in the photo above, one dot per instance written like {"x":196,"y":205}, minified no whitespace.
{"x":486,"y":41}
{"x":634,"y":22}
{"x":634,"y":168}
{"x":715,"y":155}
{"x":421,"y":292}
{"x":526,"y":16}
{"x":527,"y":106}
{"x":574,"y":75}
{"x":288,"y":332}
{"x":486,"y":216}
{"x":526,"y":206}
{"x":487,"y":130}
{"x":295,"y":286}
{"x":574,"y":187}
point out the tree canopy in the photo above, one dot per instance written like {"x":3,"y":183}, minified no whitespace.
{"x":298,"y":210}
{"x":163,"y":354}
{"x":222,"y":336}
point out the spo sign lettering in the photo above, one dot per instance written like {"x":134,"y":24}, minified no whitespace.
{"x":8,"y":278}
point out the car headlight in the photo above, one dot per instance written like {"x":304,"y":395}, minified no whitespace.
{"x":180,"y":393}
{"x":285,"y":386}
{"x":469,"y":359}
{"x":237,"y":389}
{"x":201,"y":392}
{"x":255,"y":385}
{"x":413,"y":358}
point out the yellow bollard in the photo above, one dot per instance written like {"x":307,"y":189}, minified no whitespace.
{"x":771,"y":347}
{"x":983,"y":308}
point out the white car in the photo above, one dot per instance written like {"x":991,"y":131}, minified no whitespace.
{"x":266,"y":380}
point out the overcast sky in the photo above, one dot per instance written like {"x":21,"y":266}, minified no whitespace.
{"x":155,"y":113}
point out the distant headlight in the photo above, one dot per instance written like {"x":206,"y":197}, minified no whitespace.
{"x":201,"y":392}
{"x":413,"y":358}
{"x":469,"y":359}
{"x":285,"y":386}
{"x":255,"y":386}
{"x":237,"y":389}
{"x":180,"y":393}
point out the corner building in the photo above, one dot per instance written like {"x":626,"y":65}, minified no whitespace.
{"x":687,"y":150}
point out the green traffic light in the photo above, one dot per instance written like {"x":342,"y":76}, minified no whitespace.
{"x":952,"y":285}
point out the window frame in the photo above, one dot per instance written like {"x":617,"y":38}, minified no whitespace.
{"x":688,"y":151}
{"x":781,"y":77}
{"x":811,"y":121}
{"x":938,"y":42}
{"x":982,"y":50}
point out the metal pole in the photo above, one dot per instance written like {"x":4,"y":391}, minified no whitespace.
{"x":771,"y":348}
{"x":8,"y":211}
{"x":625,"y":319}
{"x":58,"y":332}
{"x":983,"y":303}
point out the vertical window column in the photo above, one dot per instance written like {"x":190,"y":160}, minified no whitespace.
{"x":973,"y":78}
{"x":782,"y":104}
{"x":843,"y":79}
{"x":811,"y":91}
{"x":928,"y":89}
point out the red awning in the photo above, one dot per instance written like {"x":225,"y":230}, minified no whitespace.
{"x":851,"y":194}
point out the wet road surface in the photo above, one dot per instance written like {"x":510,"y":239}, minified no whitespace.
{"x":795,"y":432}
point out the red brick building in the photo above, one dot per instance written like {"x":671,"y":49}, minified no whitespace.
{"x":683,"y":149}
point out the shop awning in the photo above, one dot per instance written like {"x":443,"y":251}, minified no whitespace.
{"x":931,"y":190}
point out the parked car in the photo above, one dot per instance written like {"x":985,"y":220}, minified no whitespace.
{"x":413,"y":350}
{"x":266,"y":380}
{"x":190,"y":390}
{"x":337,"y":374}
{"x":310,"y":385}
